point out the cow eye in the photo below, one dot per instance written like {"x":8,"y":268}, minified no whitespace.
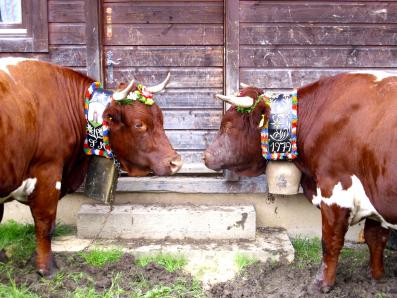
{"x":140,"y":126}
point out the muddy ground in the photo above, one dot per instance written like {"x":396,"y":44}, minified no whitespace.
{"x":259,"y":280}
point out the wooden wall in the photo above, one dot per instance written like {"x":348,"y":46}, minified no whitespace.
{"x":286,"y":44}
{"x":66,"y":30}
{"x":147,"y":39}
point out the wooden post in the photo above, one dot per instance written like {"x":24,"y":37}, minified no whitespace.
{"x":232,"y":41}
{"x":94,"y":39}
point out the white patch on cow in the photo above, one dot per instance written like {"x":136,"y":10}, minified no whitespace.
{"x":5,"y":62}
{"x":58,"y":185}
{"x":23,"y":191}
{"x":355,"y":199}
{"x":379,"y":74}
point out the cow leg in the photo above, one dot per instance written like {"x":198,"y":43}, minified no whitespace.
{"x":376,"y":238}
{"x":335,"y":222}
{"x":43,"y":204}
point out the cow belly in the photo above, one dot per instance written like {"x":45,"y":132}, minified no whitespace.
{"x":22,"y":192}
{"x":355,"y":199}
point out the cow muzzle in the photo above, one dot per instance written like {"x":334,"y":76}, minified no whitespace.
{"x":176,"y":164}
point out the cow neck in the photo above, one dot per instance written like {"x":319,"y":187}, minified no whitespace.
{"x":278,"y":134}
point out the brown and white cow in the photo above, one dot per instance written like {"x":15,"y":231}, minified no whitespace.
{"x":42,"y":132}
{"x":347,"y":153}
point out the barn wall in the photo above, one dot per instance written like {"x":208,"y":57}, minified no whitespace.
{"x":147,"y":39}
{"x":67,"y":39}
{"x":287,"y":44}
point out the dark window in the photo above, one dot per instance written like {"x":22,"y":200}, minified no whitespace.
{"x":23,"y":26}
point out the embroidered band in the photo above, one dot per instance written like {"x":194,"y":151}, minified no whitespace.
{"x":97,"y":132}
{"x":278,"y":135}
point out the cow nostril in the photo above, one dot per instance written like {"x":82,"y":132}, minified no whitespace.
{"x":176,"y":164}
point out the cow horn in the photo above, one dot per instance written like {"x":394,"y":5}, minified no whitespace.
{"x":122,"y":94}
{"x":244,"y":85}
{"x":240,"y":101}
{"x":159,"y":87}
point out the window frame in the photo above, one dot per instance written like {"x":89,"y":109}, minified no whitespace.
{"x":32,"y":34}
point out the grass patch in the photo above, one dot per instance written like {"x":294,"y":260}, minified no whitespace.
{"x":12,"y":291}
{"x":18,"y":240}
{"x":242,"y":261}
{"x":307,"y":250}
{"x":168,"y":261}
{"x":178,"y":289}
{"x":100,"y":257}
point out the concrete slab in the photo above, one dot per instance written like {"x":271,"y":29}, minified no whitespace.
{"x":169,"y":221}
{"x":209,"y":261}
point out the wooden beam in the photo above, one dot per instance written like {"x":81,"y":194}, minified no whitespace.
{"x":232,"y":40}
{"x":93,"y":12}
{"x":192,"y":185}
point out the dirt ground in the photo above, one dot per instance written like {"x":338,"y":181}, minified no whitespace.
{"x":259,"y":280}
{"x":280,"y":280}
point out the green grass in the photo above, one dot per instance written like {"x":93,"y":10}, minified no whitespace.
{"x":100,"y":257}
{"x":169,"y":262}
{"x":178,"y":289}
{"x":307,"y":250}
{"x":12,"y":291}
{"x":242,"y":261}
{"x":19,"y":239}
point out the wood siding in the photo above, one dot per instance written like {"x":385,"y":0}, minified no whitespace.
{"x":287,"y":44}
{"x":66,"y":35}
{"x":147,"y":39}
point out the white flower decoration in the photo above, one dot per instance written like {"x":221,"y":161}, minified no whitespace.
{"x":132,"y":95}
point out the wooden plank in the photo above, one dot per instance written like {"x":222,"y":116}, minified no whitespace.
{"x":164,"y":34}
{"x":188,"y":98}
{"x":67,"y":34}
{"x":93,"y":32}
{"x":66,"y":11}
{"x":195,"y":77}
{"x":308,"y":34}
{"x":192,"y":185}
{"x":191,"y":139}
{"x":232,"y":53}
{"x":290,"y":78}
{"x":263,"y":56}
{"x":166,"y":12}
{"x":75,"y":56}
{"x":132,"y":1}
{"x":193,"y":163}
{"x":191,"y":119}
{"x":167,"y":55}
{"x":39,"y":26}
{"x":320,"y":12}
{"x":63,"y":55}
{"x":15,"y":44}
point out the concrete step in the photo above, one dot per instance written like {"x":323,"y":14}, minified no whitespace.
{"x":209,"y":261}
{"x":96,"y":221}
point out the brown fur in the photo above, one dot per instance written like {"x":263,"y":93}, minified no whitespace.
{"x":42,"y":130}
{"x":345,"y":128}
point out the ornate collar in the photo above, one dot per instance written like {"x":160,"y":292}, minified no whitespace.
{"x":278,"y":135}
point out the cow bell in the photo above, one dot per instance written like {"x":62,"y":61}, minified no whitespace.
{"x":101,"y":180}
{"x":283,"y":177}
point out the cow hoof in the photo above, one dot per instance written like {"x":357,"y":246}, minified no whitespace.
{"x":325,"y":289}
{"x":48,"y":273}
{"x":318,"y":287}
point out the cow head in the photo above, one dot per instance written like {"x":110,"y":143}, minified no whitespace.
{"x":237,"y":146}
{"x":137,"y":136}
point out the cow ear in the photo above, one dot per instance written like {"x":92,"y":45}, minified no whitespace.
{"x":261,"y":113}
{"x":112,"y":115}
{"x":121,"y":86}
